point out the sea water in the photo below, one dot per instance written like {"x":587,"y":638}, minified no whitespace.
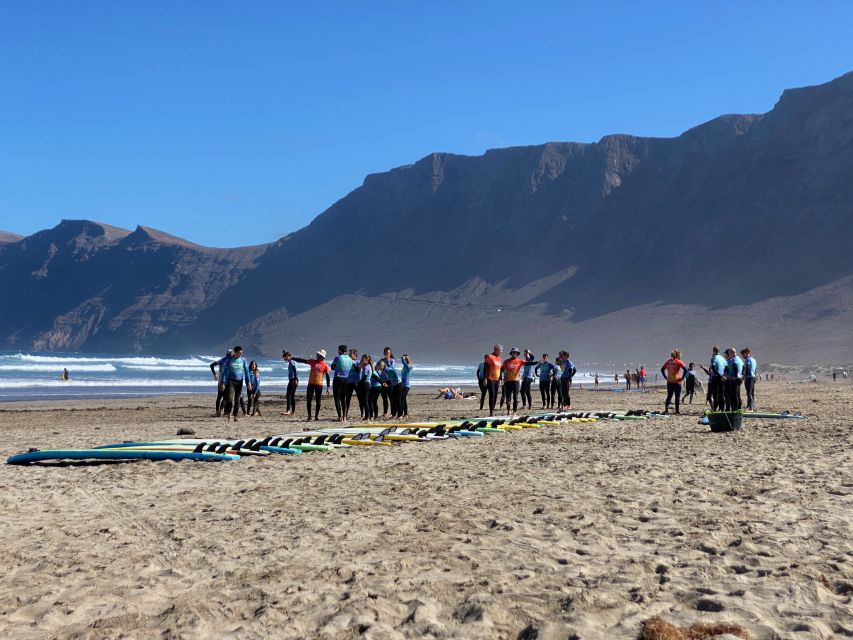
{"x":36,"y":376}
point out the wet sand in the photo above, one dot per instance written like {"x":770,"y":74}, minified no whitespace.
{"x":584,"y":529}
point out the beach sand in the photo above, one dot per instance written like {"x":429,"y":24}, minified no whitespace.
{"x":573,"y":531}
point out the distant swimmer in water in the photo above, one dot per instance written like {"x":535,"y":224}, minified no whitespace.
{"x":65,"y":375}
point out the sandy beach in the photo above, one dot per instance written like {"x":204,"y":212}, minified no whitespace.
{"x":578,"y":531}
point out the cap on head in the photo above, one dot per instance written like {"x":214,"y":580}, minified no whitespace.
{"x":321,"y":353}
{"x":514,"y":350}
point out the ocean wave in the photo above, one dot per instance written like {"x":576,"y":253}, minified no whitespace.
{"x":195,"y":361}
{"x":56,"y":368}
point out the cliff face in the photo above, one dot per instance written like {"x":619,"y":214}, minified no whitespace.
{"x":8,"y":236}
{"x":733,"y":212}
{"x":83,"y":285}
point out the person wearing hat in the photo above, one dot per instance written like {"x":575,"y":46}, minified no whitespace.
{"x":510,"y":371}
{"x":319,"y":368}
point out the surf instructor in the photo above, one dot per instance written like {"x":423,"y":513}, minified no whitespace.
{"x":319,"y":368}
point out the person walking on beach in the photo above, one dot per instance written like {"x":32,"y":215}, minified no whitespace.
{"x":673,"y":370}
{"x":319,"y":369}
{"x":292,"y":384}
{"x":643,"y":376}
{"x":341,"y":364}
{"x":689,"y":383}
{"x":510,"y":372}
{"x":596,"y":381}
{"x":218,"y":367}
{"x":493,"y":376}
{"x":544,"y":371}
{"x":235,"y":371}
{"x":750,"y":376}
{"x":566,"y":377}
{"x":732,"y":380}
{"x":405,"y":385}
{"x":352,"y":384}
{"x":481,"y":380}
{"x":628,"y":379}
{"x":253,"y":403}
{"x":527,"y":380}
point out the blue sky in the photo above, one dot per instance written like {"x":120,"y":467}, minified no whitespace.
{"x":234,"y":123}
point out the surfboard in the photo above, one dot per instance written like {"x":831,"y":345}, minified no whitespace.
{"x":114,"y":454}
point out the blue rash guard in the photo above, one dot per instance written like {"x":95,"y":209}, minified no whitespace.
{"x":354,"y":374}
{"x":390,"y":372}
{"x":718,"y":366}
{"x":341,"y":365}
{"x":292,"y":373}
{"x":406,"y":375}
{"x":221,"y":364}
{"x":734,"y":367}
{"x":527,"y":370}
{"x":236,"y":369}
{"x":481,"y":371}
{"x":750,"y":367}
{"x":255,"y":380}
{"x":568,"y":370}
{"x":375,"y":378}
{"x":545,"y":370}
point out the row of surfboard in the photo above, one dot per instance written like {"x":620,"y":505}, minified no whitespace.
{"x":223,"y":449}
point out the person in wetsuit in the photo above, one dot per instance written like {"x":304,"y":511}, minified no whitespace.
{"x":732,"y":380}
{"x":750,"y":376}
{"x":253,"y":402}
{"x":689,"y":383}
{"x":292,"y":384}
{"x":673,"y":370}
{"x":566,"y":377}
{"x":493,"y":376}
{"x":527,"y":379}
{"x":481,"y":380}
{"x":545,"y":371}
{"x":235,"y":372}
{"x":510,"y":373}
{"x":319,"y":369}
{"x":352,"y":384}
{"x":341,"y":365}
{"x":217,"y":369}
{"x":405,"y":385}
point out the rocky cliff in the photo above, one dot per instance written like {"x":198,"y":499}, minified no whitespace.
{"x":731,"y":214}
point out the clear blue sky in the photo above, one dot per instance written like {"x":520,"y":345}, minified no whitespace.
{"x":236,"y":122}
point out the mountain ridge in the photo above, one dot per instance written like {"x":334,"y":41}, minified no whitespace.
{"x":730,"y":213}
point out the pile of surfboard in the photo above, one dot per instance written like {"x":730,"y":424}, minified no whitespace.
{"x":224,"y":449}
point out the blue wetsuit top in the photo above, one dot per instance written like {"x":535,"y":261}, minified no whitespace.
{"x":481,"y":371}
{"x":718,"y":366}
{"x":406,"y":375}
{"x":545,"y":370}
{"x":341,"y":365}
{"x":734,"y":367}
{"x":391,"y":374}
{"x":354,"y":374}
{"x":254,"y":380}
{"x":568,"y":370}
{"x":236,"y":369}
{"x":292,"y":373}
{"x":750,"y":367}
{"x":527,"y":370}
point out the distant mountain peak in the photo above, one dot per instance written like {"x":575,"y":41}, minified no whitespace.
{"x":91,"y":229}
{"x":149,"y":234}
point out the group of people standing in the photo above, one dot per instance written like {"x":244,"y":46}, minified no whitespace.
{"x":514,"y":376}
{"x":348,"y":375}
{"x":726,"y":375}
{"x":232,"y":371}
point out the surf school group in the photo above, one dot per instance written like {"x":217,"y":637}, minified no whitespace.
{"x":348,"y":375}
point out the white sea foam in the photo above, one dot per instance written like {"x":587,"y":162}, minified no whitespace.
{"x":56,"y":368}
{"x":150,"y":361}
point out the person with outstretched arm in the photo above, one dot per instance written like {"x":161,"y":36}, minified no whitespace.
{"x":235,"y":371}
{"x":716,"y":370}
{"x":673,"y":370}
{"x":319,"y":369}
{"x":689,"y":383}
{"x":341,"y":365}
{"x":405,"y":385}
